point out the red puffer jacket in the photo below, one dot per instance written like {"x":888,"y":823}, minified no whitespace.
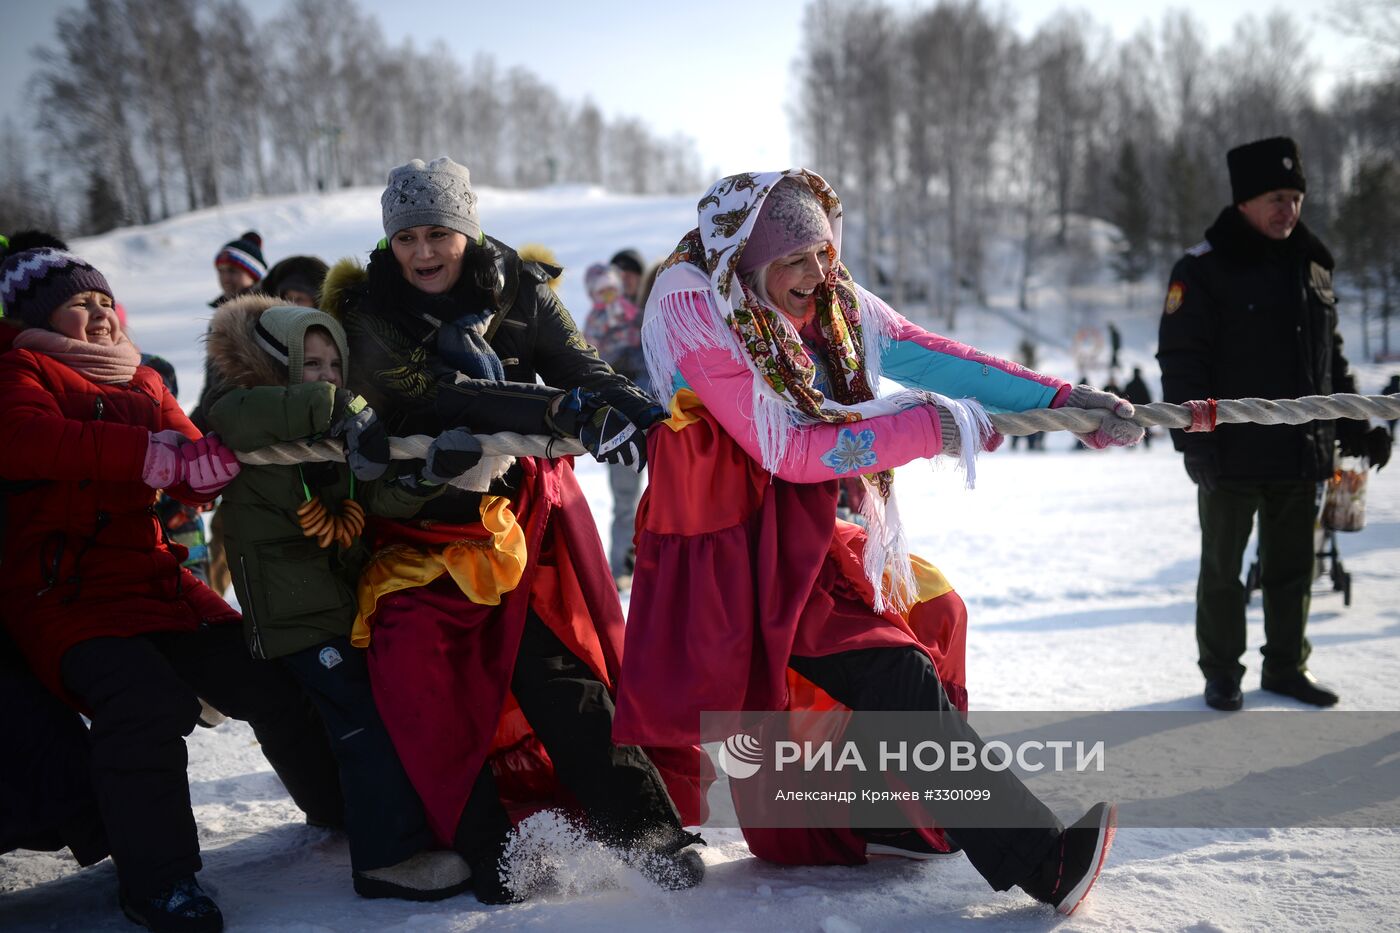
{"x":83,"y":555}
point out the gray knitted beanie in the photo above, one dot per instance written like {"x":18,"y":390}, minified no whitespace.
{"x":438,"y":193}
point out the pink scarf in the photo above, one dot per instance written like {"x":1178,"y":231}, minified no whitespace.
{"x":103,"y":365}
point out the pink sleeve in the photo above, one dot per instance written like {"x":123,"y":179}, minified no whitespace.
{"x":815,"y":452}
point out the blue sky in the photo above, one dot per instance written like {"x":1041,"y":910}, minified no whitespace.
{"x":649,"y":59}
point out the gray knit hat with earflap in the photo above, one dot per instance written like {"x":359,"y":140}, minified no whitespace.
{"x":438,"y":193}
{"x":281,"y":333}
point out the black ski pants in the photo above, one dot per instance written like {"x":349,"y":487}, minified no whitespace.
{"x":904,"y":679}
{"x":384,"y":816}
{"x":144,"y":692}
{"x":571,"y":712}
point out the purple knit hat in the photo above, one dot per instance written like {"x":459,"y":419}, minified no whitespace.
{"x":790,"y":219}
{"x":34,"y":282}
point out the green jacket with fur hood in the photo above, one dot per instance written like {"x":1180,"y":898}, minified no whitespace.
{"x":294,"y":594}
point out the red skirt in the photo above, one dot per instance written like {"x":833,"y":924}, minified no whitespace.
{"x":737,"y":571}
{"x":441,"y":664}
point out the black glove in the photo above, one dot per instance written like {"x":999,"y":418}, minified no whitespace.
{"x":451,"y":454}
{"x":604,"y":430}
{"x":1378,"y":443}
{"x":1203,"y":466}
{"x":366,"y":441}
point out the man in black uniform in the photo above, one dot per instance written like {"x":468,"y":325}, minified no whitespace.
{"x":1250,"y":312}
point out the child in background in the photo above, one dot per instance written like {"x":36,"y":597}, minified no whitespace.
{"x":182,"y":523}
{"x":614,"y":327}
{"x":293,"y":535}
{"x":240,"y":267}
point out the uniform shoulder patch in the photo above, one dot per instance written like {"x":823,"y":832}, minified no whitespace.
{"x":1200,"y":249}
{"x":1176,"y":294}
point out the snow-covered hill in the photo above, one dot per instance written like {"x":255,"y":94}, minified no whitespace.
{"x":1078,"y":569}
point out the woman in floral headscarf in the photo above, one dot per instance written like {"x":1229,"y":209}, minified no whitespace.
{"x":749,"y":594}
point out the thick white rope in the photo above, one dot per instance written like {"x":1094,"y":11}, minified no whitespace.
{"x":1227,"y":411}
{"x":499,"y":450}
{"x":498,"y":453}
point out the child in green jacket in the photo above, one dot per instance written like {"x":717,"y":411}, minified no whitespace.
{"x":293,"y":540}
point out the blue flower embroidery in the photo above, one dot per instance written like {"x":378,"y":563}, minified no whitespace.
{"x":852,"y":451}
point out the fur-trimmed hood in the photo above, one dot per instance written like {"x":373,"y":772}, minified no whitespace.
{"x":341,"y":282}
{"x":250,"y":347}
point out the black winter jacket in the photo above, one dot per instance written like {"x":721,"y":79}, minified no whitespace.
{"x":395,"y":364}
{"x":1251,"y":317}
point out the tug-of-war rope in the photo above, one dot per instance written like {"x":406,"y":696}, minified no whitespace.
{"x":1205,"y":415}
{"x":500,"y":449}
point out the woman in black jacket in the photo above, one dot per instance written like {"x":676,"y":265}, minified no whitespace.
{"x":493,"y":627}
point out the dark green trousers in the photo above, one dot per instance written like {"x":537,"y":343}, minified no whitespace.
{"x":1287,"y":514}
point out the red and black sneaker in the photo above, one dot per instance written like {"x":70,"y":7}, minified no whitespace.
{"x":1063,"y":880}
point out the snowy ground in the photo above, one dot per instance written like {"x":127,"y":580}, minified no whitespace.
{"x":1079,"y":573}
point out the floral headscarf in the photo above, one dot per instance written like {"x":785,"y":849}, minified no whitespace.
{"x":728,"y":213}
{"x":774,"y":351}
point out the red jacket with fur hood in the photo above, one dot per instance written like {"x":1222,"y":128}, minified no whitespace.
{"x":83,"y":555}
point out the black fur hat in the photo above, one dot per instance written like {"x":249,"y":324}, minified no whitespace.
{"x":1265,"y":165}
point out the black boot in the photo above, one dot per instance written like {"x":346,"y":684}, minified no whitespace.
{"x":1069,"y":871}
{"x":490,"y":883}
{"x":1223,"y":693}
{"x":181,"y":907}
{"x":1303,"y":686}
{"x":666,"y":858}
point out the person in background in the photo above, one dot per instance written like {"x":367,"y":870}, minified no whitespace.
{"x":631,"y":267}
{"x":184,"y":524}
{"x":296,"y":280}
{"x":644,"y":290}
{"x":284,"y":369}
{"x":1136,"y":391}
{"x":1079,"y":441}
{"x":614,"y":328}
{"x":241,"y":267}
{"x":1027,"y":353}
{"x":1392,"y":388}
{"x":749,"y":593}
{"x":1250,"y":313}
{"x":96,"y":599}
